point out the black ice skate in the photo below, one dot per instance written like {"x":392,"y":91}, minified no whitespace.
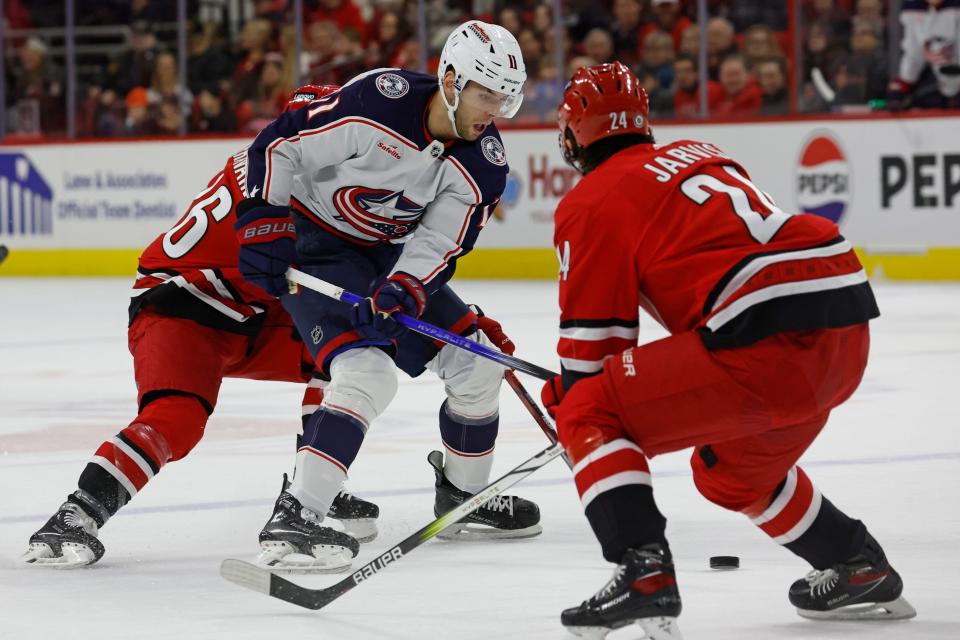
{"x":864,"y":587}
{"x":294,"y":540}
{"x":499,"y":517}
{"x":642,"y":591}
{"x":358,"y":516}
{"x":67,"y":541}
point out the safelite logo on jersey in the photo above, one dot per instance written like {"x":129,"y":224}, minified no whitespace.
{"x":824,"y":182}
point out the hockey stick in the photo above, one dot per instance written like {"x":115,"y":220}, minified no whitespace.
{"x":259,"y":579}
{"x":431,"y":331}
{"x":542,"y":421}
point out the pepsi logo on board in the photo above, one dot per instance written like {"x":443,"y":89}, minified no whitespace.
{"x":824,"y":182}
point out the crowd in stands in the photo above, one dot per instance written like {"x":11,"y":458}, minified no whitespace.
{"x":239,"y":74}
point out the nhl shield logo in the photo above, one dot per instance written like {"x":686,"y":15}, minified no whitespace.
{"x":392,"y":85}
{"x":493,"y":151}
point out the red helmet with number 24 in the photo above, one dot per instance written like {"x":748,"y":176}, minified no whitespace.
{"x":599,"y":102}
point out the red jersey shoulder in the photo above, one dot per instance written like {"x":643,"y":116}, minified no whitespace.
{"x":203,"y":237}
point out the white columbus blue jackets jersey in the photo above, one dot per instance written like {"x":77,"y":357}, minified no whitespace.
{"x":361,"y":164}
{"x":931,"y":35}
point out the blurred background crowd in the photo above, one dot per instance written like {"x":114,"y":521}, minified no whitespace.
{"x":105,"y":68}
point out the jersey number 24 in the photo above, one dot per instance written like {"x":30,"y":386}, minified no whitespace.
{"x":761,"y":225}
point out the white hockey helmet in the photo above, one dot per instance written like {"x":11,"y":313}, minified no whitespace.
{"x":489,"y":55}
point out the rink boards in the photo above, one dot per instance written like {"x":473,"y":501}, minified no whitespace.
{"x":891,"y":183}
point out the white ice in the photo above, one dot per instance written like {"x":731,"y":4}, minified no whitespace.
{"x":890,"y":456}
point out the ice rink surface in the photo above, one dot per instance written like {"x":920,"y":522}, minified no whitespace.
{"x":890,"y":456}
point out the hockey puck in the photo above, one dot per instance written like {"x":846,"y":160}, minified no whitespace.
{"x":724,"y":563}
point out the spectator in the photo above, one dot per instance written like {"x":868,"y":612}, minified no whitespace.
{"x":741,"y":96}
{"x":667,"y":16}
{"x":134,"y":67}
{"x":861,"y":76}
{"x":168,"y":117}
{"x":686,"y":96}
{"x":254,"y":41}
{"x":744,"y":13}
{"x":599,"y":45}
{"x":36,"y":91}
{"x":343,"y":13}
{"x":772,"y":78}
{"x":835,"y":19}
{"x":165,"y":84}
{"x":531,"y":47}
{"x":542,"y":21}
{"x":931,"y":40}
{"x":274,"y":11}
{"x":210,"y":114}
{"x":657,"y":58}
{"x":661,"y":99}
{"x":270,"y":99}
{"x":509,"y":19}
{"x":759,"y":43}
{"x":207,"y":62}
{"x":138,"y":121}
{"x":690,"y":41}
{"x":578,"y":62}
{"x":391,"y":33}
{"x":720,"y":44}
{"x":870,"y":12}
{"x":625,"y":28}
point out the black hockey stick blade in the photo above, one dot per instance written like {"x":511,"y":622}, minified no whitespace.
{"x":260,"y":579}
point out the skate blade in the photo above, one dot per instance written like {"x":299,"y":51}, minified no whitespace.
{"x":898,"y":609}
{"x":72,"y":556}
{"x":363,"y":530}
{"x":660,"y":628}
{"x":282,"y":557}
{"x":472,"y":533}
{"x":655,"y":628}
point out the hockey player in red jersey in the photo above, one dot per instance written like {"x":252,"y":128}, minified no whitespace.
{"x":768,"y":315}
{"x":193,"y":321}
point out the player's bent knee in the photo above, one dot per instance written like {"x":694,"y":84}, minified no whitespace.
{"x":169,"y":427}
{"x":363,"y":382}
{"x":585,"y":421}
{"x":472,"y":383}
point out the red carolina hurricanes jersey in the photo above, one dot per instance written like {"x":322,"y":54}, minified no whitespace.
{"x":681,"y":231}
{"x":191,"y":270}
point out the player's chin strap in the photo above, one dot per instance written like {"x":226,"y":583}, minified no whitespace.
{"x":452,"y":109}
{"x":297,"y":277}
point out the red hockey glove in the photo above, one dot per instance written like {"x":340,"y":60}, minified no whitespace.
{"x":552,"y":395}
{"x":492,"y":329}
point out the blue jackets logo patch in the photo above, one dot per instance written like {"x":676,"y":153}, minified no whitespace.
{"x":26,"y":200}
{"x":493,"y":151}
{"x":378,"y":213}
{"x":392,"y":85}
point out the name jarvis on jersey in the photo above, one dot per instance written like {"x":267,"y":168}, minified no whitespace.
{"x":681,"y":157}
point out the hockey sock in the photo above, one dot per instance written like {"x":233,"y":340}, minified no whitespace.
{"x":468,"y":446}
{"x":802,"y":520}
{"x":329,"y":445}
{"x":613,"y":480}
{"x":166,"y":429}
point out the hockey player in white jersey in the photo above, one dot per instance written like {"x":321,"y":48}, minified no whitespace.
{"x":931,"y":37}
{"x":380,"y":188}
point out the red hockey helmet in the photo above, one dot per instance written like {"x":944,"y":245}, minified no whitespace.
{"x":308,"y":93}
{"x":599,"y":102}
